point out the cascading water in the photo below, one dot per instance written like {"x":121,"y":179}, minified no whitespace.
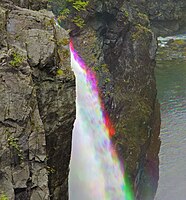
{"x":95,"y":171}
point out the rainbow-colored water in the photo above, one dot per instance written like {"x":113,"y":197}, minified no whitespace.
{"x":95,"y":171}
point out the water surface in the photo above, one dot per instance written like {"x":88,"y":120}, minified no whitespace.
{"x":171,"y":85}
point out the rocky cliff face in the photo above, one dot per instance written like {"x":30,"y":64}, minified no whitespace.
{"x":116,"y":41}
{"x":31,"y":4}
{"x":167,"y":17}
{"x":37,"y":104}
{"x":38,"y":94}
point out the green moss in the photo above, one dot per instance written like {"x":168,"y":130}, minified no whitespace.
{"x":65,"y":53}
{"x":178,"y":42}
{"x":50,"y":170}
{"x":63,"y":41}
{"x":49,"y":22}
{"x":107,"y":80}
{"x":71,"y":7}
{"x":17,"y":59}
{"x":60,"y":72}
{"x":64,"y":13}
{"x":140,"y":31}
{"x":125,"y":12}
{"x":143,"y":16}
{"x":96,"y":68}
{"x":78,"y":21}
{"x":80,"y":5}
{"x":103,"y":68}
{"x":3,"y":197}
{"x":13,"y":143}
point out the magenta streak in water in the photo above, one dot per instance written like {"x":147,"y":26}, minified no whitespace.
{"x":95,"y":170}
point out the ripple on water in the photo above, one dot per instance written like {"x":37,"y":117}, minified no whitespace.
{"x":171,"y":83}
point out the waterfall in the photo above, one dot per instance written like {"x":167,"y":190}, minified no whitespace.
{"x":95,"y":171}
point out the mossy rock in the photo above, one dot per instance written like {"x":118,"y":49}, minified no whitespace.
{"x":16,"y":59}
{"x":140,"y":31}
{"x":173,"y":50}
{"x":179,"y":43}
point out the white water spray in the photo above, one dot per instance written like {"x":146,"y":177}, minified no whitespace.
{"x":95,"y":172}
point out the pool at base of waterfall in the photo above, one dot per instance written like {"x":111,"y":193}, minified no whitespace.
{"x":171,"y":86}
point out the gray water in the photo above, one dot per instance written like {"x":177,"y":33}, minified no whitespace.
{"x":171,"y":85}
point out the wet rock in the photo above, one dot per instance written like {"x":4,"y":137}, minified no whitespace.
{"x":118,"y":44}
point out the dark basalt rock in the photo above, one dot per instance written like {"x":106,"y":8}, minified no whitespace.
{"x":38,"y":94}
{"x":118,"y":44}
{"x":166,"y":17}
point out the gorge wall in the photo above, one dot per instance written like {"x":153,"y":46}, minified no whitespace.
{"x":116,"y":41}
{"x":37,"y":109}
{"x":38,"y":92}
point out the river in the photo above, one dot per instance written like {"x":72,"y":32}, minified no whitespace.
{"x":171,"y":85}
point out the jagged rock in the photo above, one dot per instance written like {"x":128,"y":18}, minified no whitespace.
{"x":37,"y":93}
{"x":167,"y":17}
{"x":37,"y":103}
{"x":32,"y":4}
{"x":118,"y":44}
{"x":21,"y":176}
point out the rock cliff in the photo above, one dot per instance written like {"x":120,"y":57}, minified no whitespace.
{"x":37,"y":103}
{"x":116,"y":41}
{"x":166,"y":17}
{"x":38,"y":94}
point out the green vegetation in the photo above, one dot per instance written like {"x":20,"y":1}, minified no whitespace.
{"x":60,"y":72}
{"x":3,"y":197}
{"x":139,"y":32}
{"x":96,"y":68}
{"x":50,"y":170}
{"x":17,"y":59}
{"x":65,"y":53}
{"x":178,"y":42}
{"x":13,"y":142}
{"x":63,"y":41}
{"x":172,"y":51}
{"x":78,"y":21}
{"x":69,"y":10}
{"x":107,"y":80}
{"x":125,"y":12}
{"x":79,"y":5}
{"x":64,"y":14}
{"x":143,"y":16}
{"x":103,"y":68}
